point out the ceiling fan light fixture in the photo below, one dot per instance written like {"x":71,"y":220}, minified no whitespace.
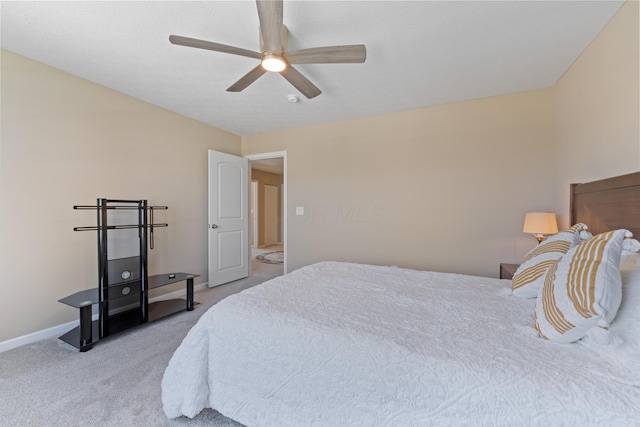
{"x":273,"y":63}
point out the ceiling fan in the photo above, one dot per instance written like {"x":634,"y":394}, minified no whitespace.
{"x":273,"y":53}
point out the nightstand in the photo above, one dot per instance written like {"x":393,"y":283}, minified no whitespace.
{"x":508,"y":270}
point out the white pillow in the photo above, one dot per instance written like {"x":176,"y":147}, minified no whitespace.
{"x":582,"y":292}
{"x":529,"y":276}
{"x":626,"y":325}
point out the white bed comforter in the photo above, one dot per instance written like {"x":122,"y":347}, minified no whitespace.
{"x":338,"y":344}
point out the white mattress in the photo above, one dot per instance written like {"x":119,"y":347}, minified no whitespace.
{"x":338,"y":344}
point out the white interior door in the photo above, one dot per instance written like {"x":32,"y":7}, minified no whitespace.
{"x":271,"y":217}
{"x":228,"y":218}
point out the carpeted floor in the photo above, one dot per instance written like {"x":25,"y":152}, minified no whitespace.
{"x":117,"y":383}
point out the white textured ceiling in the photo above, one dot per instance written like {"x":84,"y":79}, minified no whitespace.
{"x":419,"y":53}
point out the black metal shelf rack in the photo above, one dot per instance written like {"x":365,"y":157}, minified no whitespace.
{"x":121,"y":279}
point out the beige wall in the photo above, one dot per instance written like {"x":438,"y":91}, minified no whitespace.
{"x":66,"y":141}
{"x":266,"y":178}
{"x":596,"y":107}
{"x":442,"y":188}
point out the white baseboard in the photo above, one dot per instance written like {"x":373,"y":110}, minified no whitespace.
{"x":66,"y":327}
{"x":37,"y":336}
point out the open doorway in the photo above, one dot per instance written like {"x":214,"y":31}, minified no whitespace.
{"x":268,"y":212}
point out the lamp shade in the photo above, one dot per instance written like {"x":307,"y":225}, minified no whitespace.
{"x":540,"y":223}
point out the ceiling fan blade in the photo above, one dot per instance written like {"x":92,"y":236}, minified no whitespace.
{"x":217,"y":47}
{"x":300,"y":82}
{"x":328,"y":55}
{"x":270,"y":15}
{"x":247,"y":79}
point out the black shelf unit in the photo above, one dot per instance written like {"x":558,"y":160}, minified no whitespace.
{"x":122,"y":295}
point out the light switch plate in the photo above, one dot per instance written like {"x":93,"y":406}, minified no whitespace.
{"x":299,"y":210}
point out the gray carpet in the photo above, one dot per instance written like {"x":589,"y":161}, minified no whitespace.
{"x":117,"y":383}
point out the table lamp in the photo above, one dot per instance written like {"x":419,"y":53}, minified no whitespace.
{"x":540,"y":223}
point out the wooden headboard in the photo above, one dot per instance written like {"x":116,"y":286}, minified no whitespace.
{"x":608,"y":204}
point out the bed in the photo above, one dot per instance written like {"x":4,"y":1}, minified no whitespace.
{"x":351,"y":345}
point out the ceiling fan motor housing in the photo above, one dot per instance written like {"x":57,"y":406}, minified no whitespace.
{"x":285,"y":42}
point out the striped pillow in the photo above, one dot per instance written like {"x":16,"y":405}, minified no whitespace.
{"x":529,"y":277}
{"x":583,"y":290}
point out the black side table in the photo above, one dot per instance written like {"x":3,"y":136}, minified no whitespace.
{"x":508,"y":270}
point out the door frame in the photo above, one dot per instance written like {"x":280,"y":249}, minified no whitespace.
{"x":270,"y":202}
{"x":272,"y":155}
{"x":253,"y":193}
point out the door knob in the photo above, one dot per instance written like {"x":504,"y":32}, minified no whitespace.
{"x":213,"y":226}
